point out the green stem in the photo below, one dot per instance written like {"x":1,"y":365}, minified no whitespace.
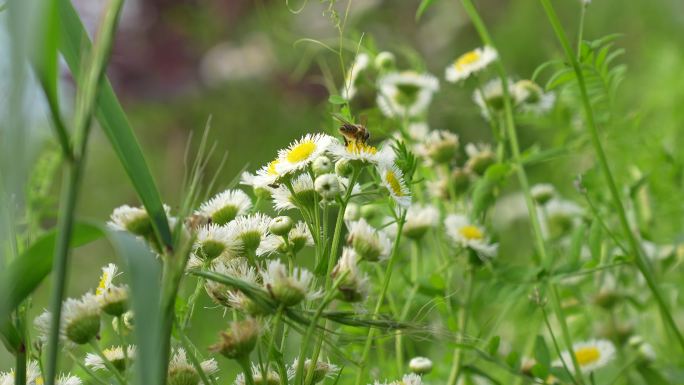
{"x":641,"y":261}
{"x":556,"y":345}
{"x":122,"y":340}
{"x":86,"y":369}
{"x":381,"y":298}
{"x":246,"y":368}
{"x":464,"y":314}
{"x":20,"y":372}
{"x":190,"y":349}
{"x":274,"y":330}
{"x":558,"y":309}
{"x":520,"y":170}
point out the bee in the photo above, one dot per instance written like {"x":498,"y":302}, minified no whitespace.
{"x":352,"y":132}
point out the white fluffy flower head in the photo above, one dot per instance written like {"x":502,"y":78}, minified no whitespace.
{"x":226,"y":206}
{"x":405,"y":94}
{"x":470,"y":63}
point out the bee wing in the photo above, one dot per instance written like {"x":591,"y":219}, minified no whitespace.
{"x":342,"y":119}
{"x":364,"y":120}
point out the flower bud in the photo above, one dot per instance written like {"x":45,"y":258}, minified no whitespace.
{"x":328,"y":186}
{"x":281,"y":225}
{"x":322,"y":165}
{"x":114,"y":300}
{"x":344,"y":167}
{"x":352,"y":212}
{"x":542,"y":193}
{"x":420,"y":365}
{"x":238,"y":341}
{"x":527,"y":91}
{"x":368,"y":212}
{"x":460,"y":178}
{"x":286,"y":289}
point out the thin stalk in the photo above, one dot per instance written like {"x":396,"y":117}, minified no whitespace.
{"x":381,"y":298}
{"x":558,"y":309}
{"x":190,"y":349}
{"x":398,"y":343}
{"x":20,"y":372}
{"x":85,"y":102}
{"x":641,"y":261}
{"x":86,"y":369}
{"x":555,"y":344}
{"x":309,"y":333}
{"x":122,"y":339}
{"x":464,"y":315}
{"x":540,"y":245}
{"x":274,"y":330}
{"x":247,"y":369}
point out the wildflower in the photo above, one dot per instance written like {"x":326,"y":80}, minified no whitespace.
{"x":405,"y":94}
{"x":300,"y":193}
{"x":469,"y":236}
{"x":286,"y":289}
{"x":562,"y":215}
{"x":226,"y":206}
{"x":542,"y":193}
{"x":322,"y":165}
{"x":419,"y":219}
{"x":302,"y":152}
{"x":360,"y":64}
{"x":358,"y":152}
{"x":369,"y":243}
{"x":236,"y":268}
{"x":470,"y":63}
{"x":384,"y":61}
{"x":532,"y":98}
{"x":81,"y":319}
{"x":393,"y":179}
{"x":480,"y":157}
{"x":438,"y":146}
{"x":34,"y":377}
{"x":266,"y":176}
{"x":328,"y":186}
{"x":214,"y":241}
{"x":590,"y":355}
{"x":115,"y":355}
{"x":643,"y":348}
{"x":182,"y":372}
{"x":353,"y":286}
{"x":135,"y":220}
{"x":420,"y":365}
{"x":490,"y":98}
{"x":352,"y":212}
{"x":239,"y":340}
{"x":250,"y":231}
{"x":108,"y":274}
{"x":322,"y":370}
{"x":408,"y":379}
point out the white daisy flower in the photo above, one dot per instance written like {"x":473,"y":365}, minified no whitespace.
{"x":543,"y":192}
{"x":81,"y":318}
{"x":265,"y":177}
{"x":302,"y":152}
{"x":405,"y":94}
{"x":393,"y":179}
{"x":108,"y":274}
{"x":237,"y":268}
{"x":480,"y":157}
{"x":590,"y":355}
{"x":226,"y":206}
{"x":360,"y":64}
{"x":468,"y":235}
{"x":181,"y":371}
{"x":304,"y":194}
{"x":115,"y":355}
{"x":214,"y":241}
{"x":408,"y":379}
{"x":369,"y":243}
{"x":419,"y":219}
{"x":132,"y":219}
{"x":250,"y":231}
{"x":470,"y":63}
{"x":288,"y":289}
{"x":298,"y":237}
{"x":362,"y":152}
{"x":438,"y":147}
{"x":34,"y":377}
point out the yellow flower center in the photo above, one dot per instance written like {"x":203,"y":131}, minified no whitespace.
{"x":393,"y":182}
{"x":587,"y":355}
{"x":471,"y":232}
{"x":271,"y":169}
{"x":301,"y":152}
{"x":467,"y":59}
{"x":101,"y":286}
{"x":39,"y":381}
{"x":358,"y":148}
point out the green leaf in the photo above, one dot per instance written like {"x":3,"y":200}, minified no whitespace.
{"x":114,"y":122}
{"x":540,"y":371}
{"x":493,"y":345}
{"x":144,"y":276}
{"x":541,"y":352}
{"x":424,"y":5}
{"x":651,"y":376}
{"x":25,"y":273}
{"x":337,"y":99}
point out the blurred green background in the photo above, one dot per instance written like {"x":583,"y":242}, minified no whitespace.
{"x":178,"y":63}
